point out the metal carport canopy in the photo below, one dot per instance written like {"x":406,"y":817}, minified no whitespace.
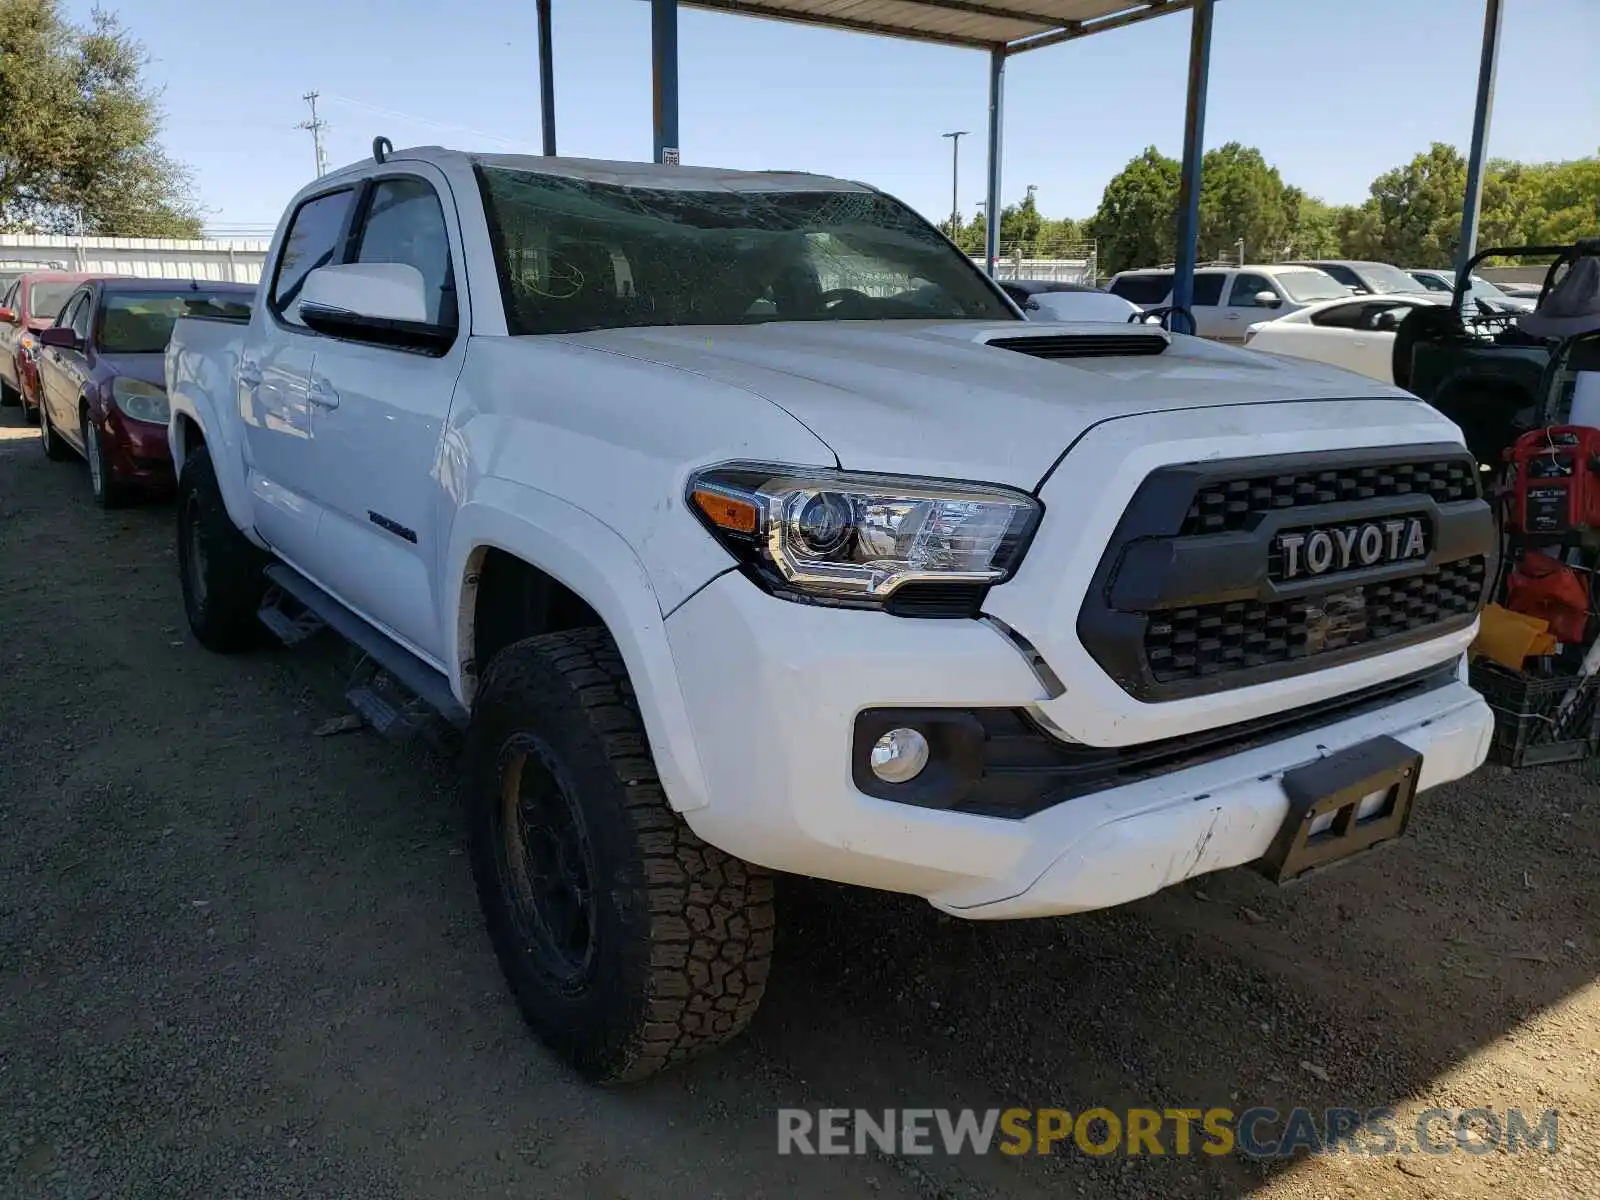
{"x":976,"y":24}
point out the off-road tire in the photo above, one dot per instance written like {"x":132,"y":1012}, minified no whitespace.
{"x":222,"y":612}
{"x":56,"y":447}
{"x":681,"y":933}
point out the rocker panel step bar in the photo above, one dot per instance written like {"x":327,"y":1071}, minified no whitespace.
{"x":429,"y":685}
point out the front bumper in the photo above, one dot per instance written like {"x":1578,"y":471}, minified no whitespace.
{"x":773,"y":690}
{"x":138,"y":453}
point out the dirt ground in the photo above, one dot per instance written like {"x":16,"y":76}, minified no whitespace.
{"x":237,"y":959}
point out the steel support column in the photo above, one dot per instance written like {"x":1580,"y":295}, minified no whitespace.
{"x":991,"y":210}
{"x":1194,"y":135}
{"x":547,"y":78}
{"x":1487,"y":63}
{"x":664,"y":76}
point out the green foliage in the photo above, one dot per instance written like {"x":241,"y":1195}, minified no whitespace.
{"x":79,"y":136}
{"x":1241,"y":199}
{"x":1412,"y":217}
{"x":1137,"y":222}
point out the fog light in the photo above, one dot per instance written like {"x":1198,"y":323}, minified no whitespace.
{"x":899,"y":755}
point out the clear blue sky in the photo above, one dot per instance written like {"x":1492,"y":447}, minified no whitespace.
{"x":1333,"y":91}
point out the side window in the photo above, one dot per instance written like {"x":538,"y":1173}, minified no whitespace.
{"x":1245,"y":288}
{"x":1143,"y":289}
{"x":82,"y":311}
{"x":312,"y":241}
{"x":1340,"y":316}
{"x":9,"y":300}
{"x":404,"y":224}
{"x":1343,"y":274}
{"x":1208,"y":289}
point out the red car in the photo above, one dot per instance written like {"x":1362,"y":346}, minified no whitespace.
{"x":102,"y":382}
{"x":31,"y":303}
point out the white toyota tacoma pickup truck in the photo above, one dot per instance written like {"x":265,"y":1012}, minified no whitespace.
{"x":746,"y":527}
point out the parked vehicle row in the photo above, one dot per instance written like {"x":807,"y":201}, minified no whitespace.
{"x":84,"y":356}
{"x":745,"y":526}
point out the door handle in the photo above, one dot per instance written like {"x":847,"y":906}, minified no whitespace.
{"x":1235,"y":317}
{"x":249,"y":373}
{"x":322,"y":394}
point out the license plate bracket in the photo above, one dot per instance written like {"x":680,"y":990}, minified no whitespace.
{"x":1338,"y":785}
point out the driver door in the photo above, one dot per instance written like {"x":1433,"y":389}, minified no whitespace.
{"x":1243,"y":309}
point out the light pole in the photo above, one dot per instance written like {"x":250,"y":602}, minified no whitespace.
{"x":955,"y":137}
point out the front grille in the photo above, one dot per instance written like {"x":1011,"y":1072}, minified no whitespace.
{"x":1225,"y":506}
{"x":1084,"y":345}
{"x":1211,"y":639}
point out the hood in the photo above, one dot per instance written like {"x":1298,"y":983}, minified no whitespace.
{"x":932,"y":398}
{"x":151,"y":368}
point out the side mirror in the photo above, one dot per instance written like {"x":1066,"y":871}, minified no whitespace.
{"x":8,"y":316}
{"x":385,"y":303}
{"x":1268,"y":300}
{"x":61,"y":337}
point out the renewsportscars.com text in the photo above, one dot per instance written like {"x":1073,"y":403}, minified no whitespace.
{"x":1253,"y":1132}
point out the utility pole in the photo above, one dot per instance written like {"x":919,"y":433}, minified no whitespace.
{"x":955,"y":137}
{"x":317,"y":126}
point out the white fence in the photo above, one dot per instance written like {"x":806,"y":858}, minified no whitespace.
{"x":1058,"y":270}
{"x":233,"y":261}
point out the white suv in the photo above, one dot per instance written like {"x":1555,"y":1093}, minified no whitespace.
{"x":1227,"y":300}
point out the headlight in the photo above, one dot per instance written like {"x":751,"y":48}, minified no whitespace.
{"x":926,"y":547}
{"x":141,"y":401}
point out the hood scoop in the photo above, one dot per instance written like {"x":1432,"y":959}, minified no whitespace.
{"x":1085,"y":345}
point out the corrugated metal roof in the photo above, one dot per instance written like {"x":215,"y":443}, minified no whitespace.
{"x":1016,"y":24}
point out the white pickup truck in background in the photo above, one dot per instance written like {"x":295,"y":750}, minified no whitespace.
{"x":746,"y":527}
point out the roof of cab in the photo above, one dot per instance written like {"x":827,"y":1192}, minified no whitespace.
{"x":618,"y":173}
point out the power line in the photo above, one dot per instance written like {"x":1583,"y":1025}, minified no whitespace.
{"x":317,"y":126}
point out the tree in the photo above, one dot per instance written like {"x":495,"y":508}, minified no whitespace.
{"x":79,"y":138}
{"x":1137,"y":221}
{"x":1314,"y":227}
{"x":1241,"y":199}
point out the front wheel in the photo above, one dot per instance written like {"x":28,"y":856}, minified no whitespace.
{"x":628,"y":942}
{"x":108,"y":493}
{"x":220,"y":570}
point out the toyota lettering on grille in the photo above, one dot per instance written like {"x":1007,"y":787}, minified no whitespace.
{"x":1311,"y":552}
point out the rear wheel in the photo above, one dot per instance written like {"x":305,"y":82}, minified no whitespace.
{"x":628,"y":942}
{"x":220,"y":569}
{"x":54,"y":445}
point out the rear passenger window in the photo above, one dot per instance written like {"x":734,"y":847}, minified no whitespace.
{"x":1143,"y":289}
{"x":405,"y":224}
{"x":1208,"y":289}
{"x":311,"y":242}
{"x":1340,"y":316}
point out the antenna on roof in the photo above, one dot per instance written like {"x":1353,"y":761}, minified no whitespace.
{"x":382,"y":147}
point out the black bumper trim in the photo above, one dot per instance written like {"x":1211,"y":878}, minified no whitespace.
{"x":998,"y":762}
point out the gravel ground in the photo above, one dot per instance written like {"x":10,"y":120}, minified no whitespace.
{"x":240,"y":960}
